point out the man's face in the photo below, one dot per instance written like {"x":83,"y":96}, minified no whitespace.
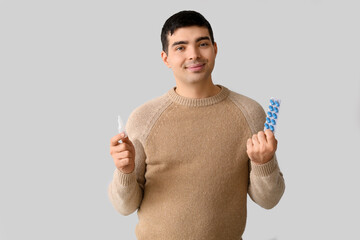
{"x":191,"y":55}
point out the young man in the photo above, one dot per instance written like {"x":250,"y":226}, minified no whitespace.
{"x":193,"y":154}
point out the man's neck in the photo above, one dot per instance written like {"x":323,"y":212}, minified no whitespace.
{"x":197,"y":90}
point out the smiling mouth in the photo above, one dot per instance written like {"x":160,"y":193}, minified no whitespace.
{"x":195,"y":67}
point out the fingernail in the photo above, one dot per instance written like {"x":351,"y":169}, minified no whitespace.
{"x":122,"y":135}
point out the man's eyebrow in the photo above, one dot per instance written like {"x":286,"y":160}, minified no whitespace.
{"x":178,"y":43}
{"x":186,"y":42}
{"x":202,"y":38}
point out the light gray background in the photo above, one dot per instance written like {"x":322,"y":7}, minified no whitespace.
{"x":69,"y":67}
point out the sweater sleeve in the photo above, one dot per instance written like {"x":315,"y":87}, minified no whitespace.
{"x":266,"y":183}
{"x":126,"y":190}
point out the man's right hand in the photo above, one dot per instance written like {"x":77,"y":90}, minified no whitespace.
{"x":123,"y":153}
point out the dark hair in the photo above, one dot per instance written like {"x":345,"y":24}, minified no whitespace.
{"x":181,"y":19}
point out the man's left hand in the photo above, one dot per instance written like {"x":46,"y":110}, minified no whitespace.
{"x":261,"y":147}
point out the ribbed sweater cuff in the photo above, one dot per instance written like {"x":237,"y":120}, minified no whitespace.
{"x":265,"y":169}
{"x":124,"y":179}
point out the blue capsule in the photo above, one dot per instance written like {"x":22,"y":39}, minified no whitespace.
{"x":266,"y":126}
{"x":268,"y":120}
{"x":269,"y":114}
{"x":274,"y":115}
{"x":276,"y":109}
{"x":271,"y":128}
{"x":273,"y":122}
{"x":272,"y":102}
{"x":271,"y":108}
{"x":277,"y":103}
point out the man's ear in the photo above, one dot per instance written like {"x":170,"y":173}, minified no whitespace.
{"x":165,"y":58}
{"x":215,"y":48}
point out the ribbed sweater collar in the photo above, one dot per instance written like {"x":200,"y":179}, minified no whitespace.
{"x":198,"y":102}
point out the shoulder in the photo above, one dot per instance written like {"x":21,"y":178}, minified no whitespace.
{"x":251,"y":109}
{"x":143,"y":117}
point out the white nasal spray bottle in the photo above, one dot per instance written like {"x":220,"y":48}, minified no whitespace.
{"x":121,"y":126}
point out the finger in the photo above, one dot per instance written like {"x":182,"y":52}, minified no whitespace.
{"x":121,"y":147}
{"x":269,"y":133}
{"x":115,"y":140}
{"x":270,"y":137}
{"x":123,"y":154}
{"x":255,"y":140}
{"x":261,"y":137}
{"x":128,"y":141}
{"x":124,"y":162}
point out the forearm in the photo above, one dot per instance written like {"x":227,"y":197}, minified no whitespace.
{"x":125,"y":193}
{"x":267,"y":184}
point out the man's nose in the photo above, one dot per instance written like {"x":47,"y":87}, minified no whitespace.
{"x":194,"y":53}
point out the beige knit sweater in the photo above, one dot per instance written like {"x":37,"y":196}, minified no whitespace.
{"x":192,"y":173}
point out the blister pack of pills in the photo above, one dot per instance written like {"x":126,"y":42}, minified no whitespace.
{"x":272,"y":114}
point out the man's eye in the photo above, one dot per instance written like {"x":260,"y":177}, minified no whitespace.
{"x":179,"y":48}
{"x":204,"y":44}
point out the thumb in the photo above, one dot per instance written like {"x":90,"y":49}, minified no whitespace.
{"x":127,"y":140}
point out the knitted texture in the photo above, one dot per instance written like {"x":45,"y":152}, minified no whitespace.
{"x":192,"y":173}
